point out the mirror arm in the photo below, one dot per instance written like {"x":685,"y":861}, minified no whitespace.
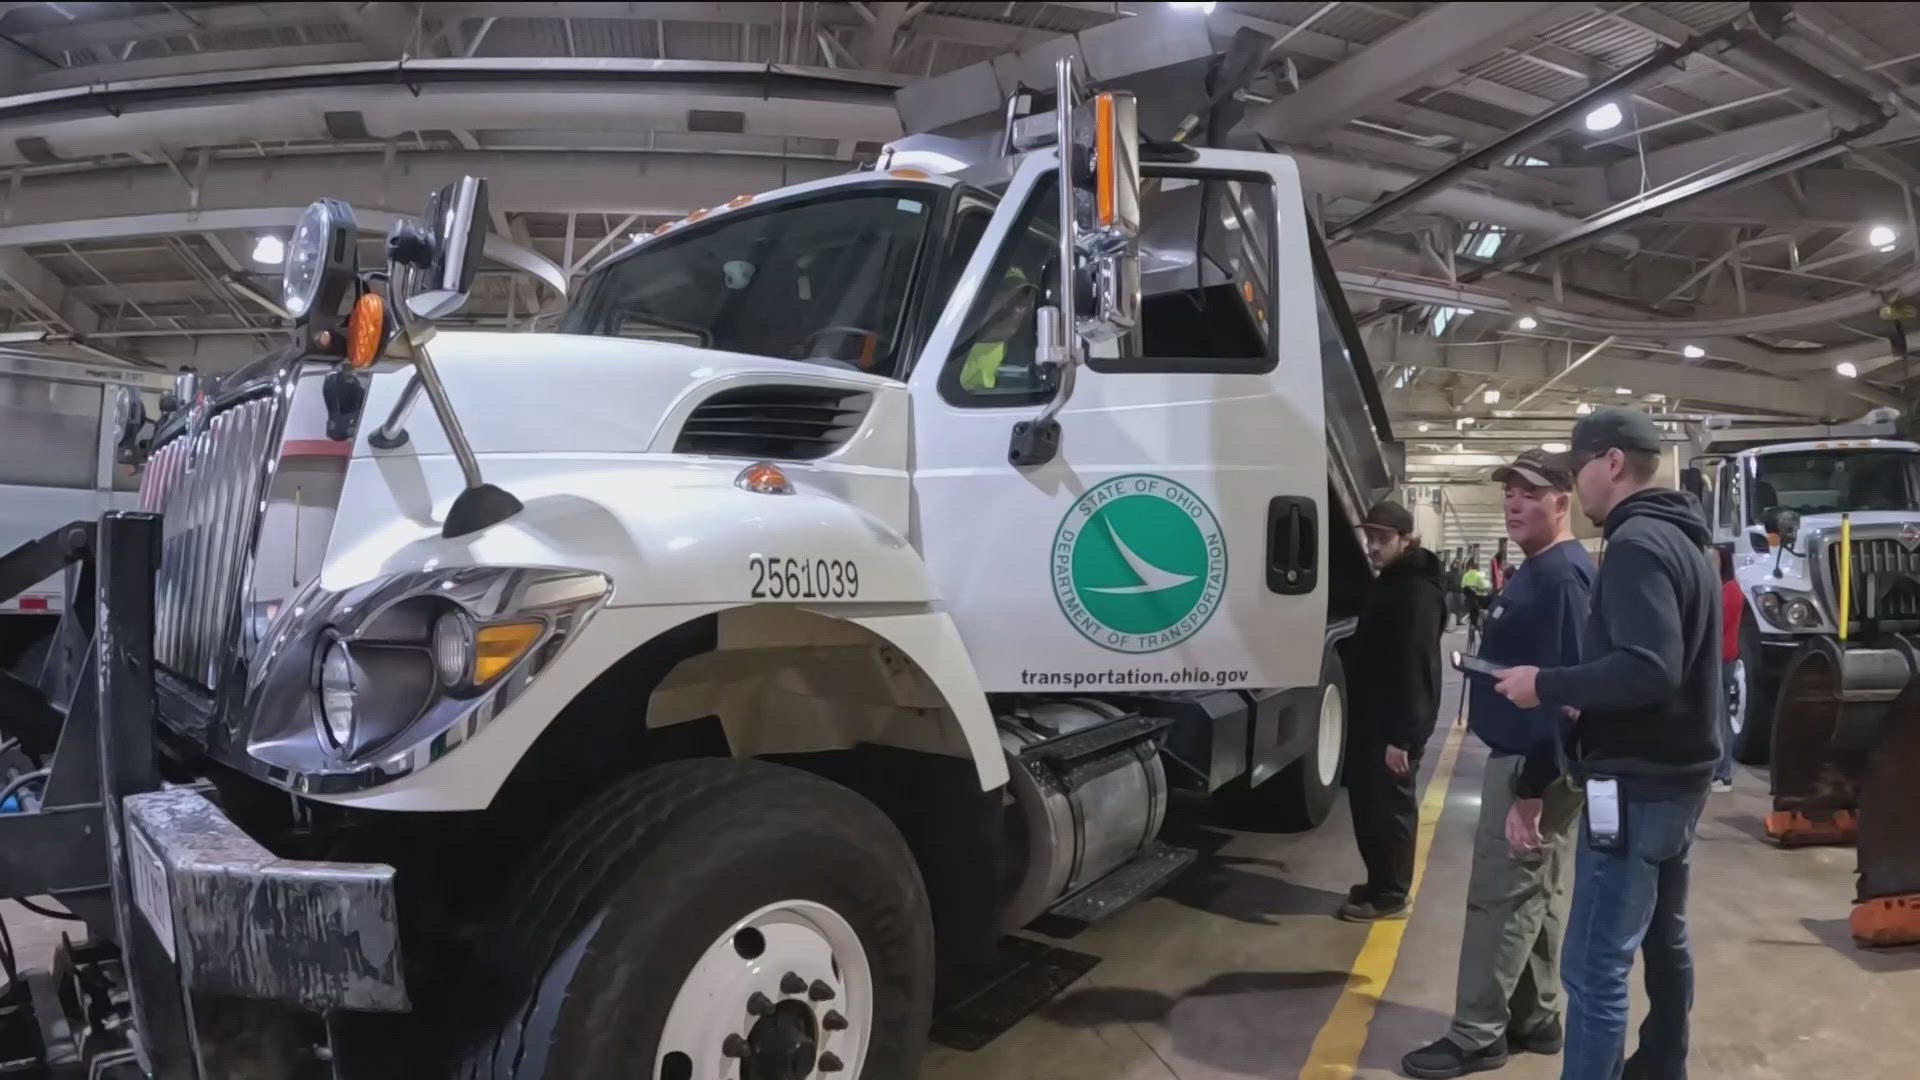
{"x":479,"y":504}
{"x":1037,"y":441}
{"x":393,"y":433}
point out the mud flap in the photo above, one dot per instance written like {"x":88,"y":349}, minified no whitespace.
{"x":1888,"y":908}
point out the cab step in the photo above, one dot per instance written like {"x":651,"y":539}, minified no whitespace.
{"x":1149,"y":871}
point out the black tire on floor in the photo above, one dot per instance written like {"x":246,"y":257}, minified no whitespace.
{"x":1753,"y":743}
{"x":612,"y":914}
{"x":1301,"y":795}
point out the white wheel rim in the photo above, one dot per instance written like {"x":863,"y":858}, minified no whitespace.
{"x":1333,"y":735}
{"x":754,"y":957}
{"x":1737,"y":708}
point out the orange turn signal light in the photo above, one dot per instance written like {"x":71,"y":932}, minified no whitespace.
{"x":496,"y":647}
{"x":764,"y":478}
{"x":1104,"y":180}
{"x":365,"y":327}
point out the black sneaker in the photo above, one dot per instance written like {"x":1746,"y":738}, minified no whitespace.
{"x":1371,"y":910}
{"x":1548,"y":1038}
{"x":1356,"y":894}
{"x":1444,"y":1058}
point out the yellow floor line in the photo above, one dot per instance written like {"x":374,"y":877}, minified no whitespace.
{"x":1336,"y":1050}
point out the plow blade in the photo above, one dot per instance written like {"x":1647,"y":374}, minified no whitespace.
{"x":1888,"y":910}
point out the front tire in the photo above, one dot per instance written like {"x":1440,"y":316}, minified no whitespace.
{"x":1753,"y":734}
{"x":705,"y":911}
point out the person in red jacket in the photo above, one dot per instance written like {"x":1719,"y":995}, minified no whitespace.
{"x":1731,"y":610}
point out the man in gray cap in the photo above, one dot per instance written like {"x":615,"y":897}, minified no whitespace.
{"x":1508,"y":997}
{"x":1644,"y":742}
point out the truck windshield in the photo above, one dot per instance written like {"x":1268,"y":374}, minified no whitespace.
{"x":1831,"y":481}
{"x":825,"y":280}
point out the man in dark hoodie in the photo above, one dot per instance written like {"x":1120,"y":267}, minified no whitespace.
{"x":1644,"y":742}
{"x":1395,"y":699}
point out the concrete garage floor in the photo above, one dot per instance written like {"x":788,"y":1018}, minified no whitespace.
{"x":1234,"y":970}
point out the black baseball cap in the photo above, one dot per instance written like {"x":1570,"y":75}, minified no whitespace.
{"x":1387,"y":514}
{"x":1537,"y":468}
{"x":1613,"y":429}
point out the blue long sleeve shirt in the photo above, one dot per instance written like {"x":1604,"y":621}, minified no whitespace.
{"x":1538,"y":619}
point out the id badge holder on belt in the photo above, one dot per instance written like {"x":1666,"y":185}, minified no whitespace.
{"x":1606,"y":816}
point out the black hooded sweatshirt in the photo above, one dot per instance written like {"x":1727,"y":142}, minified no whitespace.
{"x":1648,"y":685}
{"x":1394,"y":684}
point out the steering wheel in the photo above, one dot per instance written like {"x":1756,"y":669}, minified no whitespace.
{"x":870,"y":349}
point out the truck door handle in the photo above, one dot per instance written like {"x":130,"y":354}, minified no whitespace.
{"x":1293,"y":545}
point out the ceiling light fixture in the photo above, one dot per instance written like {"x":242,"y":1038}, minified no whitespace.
{"x":1202,"y":8}
{"x":269,"y":250}
{"x":1605,"y":118}
{"x":1526,"y":322}
{"x":1424,"y":426}
{"x":1582,"y":409}
{"x":1554,"y":447}
{"x":1491,"y":397}
{"x":1622,"y":391}
{"x":1847,"y":370}
{"x":1882,"y":237}
{"x":1693,"y":352}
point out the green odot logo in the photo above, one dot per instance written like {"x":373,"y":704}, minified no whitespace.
{"x":1139,"y":564}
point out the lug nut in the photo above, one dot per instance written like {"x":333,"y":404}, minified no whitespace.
{"x":734,"y":1047}
{"x":758,"y":1005}
{"x":791,"y":983}
{"x":833,"y":1021}
{"x":820,"y":991}
{"x":830,"y":1063}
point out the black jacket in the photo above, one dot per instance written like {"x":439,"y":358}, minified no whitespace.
{"x":1648,"y":685}
{"x":1393,"y":682}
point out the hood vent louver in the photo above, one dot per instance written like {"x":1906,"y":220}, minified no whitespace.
{"x":787,"y":422}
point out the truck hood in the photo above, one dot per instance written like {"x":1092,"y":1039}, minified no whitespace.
{"x":568,"y":393}
{"x":1863,"y":519}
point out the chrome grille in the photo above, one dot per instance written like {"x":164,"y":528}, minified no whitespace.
{"x":206,"y":483}
{"x":1886,"y":578}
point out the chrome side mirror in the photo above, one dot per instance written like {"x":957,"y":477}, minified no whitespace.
{"x":129,"y":418}
{"x":457,"y":224}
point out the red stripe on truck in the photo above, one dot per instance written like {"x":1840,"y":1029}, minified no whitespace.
{"x":315,"y":448}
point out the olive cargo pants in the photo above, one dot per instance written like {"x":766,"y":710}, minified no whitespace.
{"x":1516,"y":907}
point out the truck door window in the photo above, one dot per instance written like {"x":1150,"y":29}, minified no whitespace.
{"x":1206,"y":275}
{"x":1207,"y":268}
{"x":1729,"y":480}
{"x":824,"y":280}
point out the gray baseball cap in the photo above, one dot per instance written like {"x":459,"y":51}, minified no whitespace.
{"x":1613,"y":429}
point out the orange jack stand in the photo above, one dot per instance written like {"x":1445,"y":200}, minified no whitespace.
{"x":1887,"y":921}
{"x":1800,"y":828}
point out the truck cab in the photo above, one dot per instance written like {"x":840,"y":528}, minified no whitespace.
{"x":848,"y":579}
{"x":1777,"y":499}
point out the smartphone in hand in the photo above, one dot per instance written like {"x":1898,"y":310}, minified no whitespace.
{"x":1473,"y":665}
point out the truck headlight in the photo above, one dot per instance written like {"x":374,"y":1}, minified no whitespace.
{"x":1789,"y":608}
{"x":1800,"y":614}
{"x":453,"y":648}
{"x":339,"y":695}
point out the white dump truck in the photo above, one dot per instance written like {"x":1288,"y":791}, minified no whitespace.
{"x":1775,"y":496}
{"x":692,"y":691}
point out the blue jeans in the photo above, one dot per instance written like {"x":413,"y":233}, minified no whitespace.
{"x":1724,"y":771}
{"x":1627,"y":900}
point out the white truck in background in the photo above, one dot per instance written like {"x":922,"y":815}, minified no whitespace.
{"x":1775,"y":496}
{"x":848,"y":581}
{"x":58,"y":463}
